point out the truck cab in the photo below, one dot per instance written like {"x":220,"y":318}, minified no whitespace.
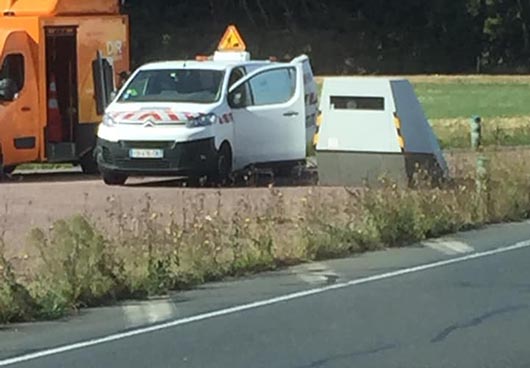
{"x":59,"y":63}
{"x":209,"y":118}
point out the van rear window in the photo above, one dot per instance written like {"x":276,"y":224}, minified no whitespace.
{"x":357,"y":103}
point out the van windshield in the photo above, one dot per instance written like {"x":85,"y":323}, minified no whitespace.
{"x":174,"y":85}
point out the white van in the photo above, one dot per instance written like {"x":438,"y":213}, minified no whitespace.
{"x":208,"y":118}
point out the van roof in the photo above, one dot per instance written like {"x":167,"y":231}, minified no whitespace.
{"x":206,"y":65}
{"x":59,"y":7}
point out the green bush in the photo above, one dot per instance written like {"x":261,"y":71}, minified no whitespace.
{"x":16,"y":303}
{"x":76,"y":266}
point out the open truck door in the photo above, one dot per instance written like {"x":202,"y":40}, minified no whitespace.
{"x":268,"y":110}
{"x":103,"y":82}
{"x":19,"y":132}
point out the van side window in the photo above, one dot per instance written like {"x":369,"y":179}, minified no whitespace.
{"x":13,"y":71}
{"x":273,"y":86}
{"x":236,"y":75}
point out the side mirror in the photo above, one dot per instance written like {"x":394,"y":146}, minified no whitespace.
{"x":235,"y":99}
{"x":113,"y":95}
{"x":7,"y":90}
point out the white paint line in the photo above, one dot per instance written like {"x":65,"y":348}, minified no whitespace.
{"x":448,"y":246}
{"x":314,"y":273}
{"x":260,"y":304}
{"x":160,"y":311}
{"x":134,"y":314}
{"x":148,"y":312}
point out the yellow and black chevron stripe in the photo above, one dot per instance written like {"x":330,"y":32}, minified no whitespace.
{"x":401,"y":139}
{"x":319,"y":123}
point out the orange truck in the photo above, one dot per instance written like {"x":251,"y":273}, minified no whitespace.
{"x":60,"y":62}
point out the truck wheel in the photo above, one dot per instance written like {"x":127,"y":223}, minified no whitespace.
{"x":114,"y":179}
{"x":193,"y":181}
{"x":89,"y":165}
{"x":1,"y":167}
{"x":223,"y":168}
{"x":9,"y":169}
{"x":284,"y":171}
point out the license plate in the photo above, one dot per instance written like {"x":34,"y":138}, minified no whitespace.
{"x":146,"y":153}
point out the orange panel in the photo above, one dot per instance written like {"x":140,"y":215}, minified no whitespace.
{"x":61,"y":7}
{"x":19,"y":118}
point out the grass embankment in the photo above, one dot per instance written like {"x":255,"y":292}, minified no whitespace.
{"x":80,"y":265}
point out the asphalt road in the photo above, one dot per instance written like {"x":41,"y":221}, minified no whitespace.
{"x":417,"y":307}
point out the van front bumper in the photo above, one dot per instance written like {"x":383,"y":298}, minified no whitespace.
{"x":197,"y":157}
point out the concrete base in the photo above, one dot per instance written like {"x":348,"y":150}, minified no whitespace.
{"x":341,"y":168}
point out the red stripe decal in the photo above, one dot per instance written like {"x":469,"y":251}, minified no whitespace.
{"x":144,"y":116}
{"x":156,"y":116}
{"x":172,"y":116}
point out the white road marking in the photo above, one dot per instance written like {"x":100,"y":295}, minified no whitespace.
{"x":160,"y":311}
{"x":143,"y":313}
{"x":260,"y":304}
{"x":315,"y":273}
{"x":134,"y":314}
{"x":449,"y":246}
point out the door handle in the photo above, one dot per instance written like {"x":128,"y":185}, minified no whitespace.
{"x":25,"y":109}
{"x":290,"y":113}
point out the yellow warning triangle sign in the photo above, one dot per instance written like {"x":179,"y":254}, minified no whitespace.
{"x":232,"y":40}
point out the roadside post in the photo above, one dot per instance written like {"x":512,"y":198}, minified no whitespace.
{"x":481,"y":178}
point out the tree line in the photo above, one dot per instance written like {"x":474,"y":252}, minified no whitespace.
{"x":344,"y":36}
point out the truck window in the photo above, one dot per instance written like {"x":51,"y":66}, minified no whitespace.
{"x":273,"y":86}
{"x":174,"y":85}
{"x":13,"y":71}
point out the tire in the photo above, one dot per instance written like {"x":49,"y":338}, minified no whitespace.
{"x":284,"y":171}
{"x":2,"y":175}
{"x":88,"y":164}
{"x":114,"y":179}
{"x":193,"y":181}
{"x":223,"y":167}
{"x":9,"y":169}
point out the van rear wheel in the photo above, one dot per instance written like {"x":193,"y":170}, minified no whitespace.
{"x":9,"y":169}
{"x":114,"y":179}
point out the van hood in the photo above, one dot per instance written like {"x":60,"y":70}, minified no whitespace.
{"x":168,"y":113}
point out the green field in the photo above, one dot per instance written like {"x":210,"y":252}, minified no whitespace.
{"x":462,"y":100}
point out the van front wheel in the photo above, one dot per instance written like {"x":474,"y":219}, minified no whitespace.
{"x":223,"y":169}
{"x":114,"y":179}
{"x":88,"y":164}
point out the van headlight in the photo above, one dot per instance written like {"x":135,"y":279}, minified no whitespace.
{"x":108,"y":121}
{"x":202,"y":121}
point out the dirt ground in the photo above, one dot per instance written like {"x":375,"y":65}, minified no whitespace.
{"x":39,"y":204}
